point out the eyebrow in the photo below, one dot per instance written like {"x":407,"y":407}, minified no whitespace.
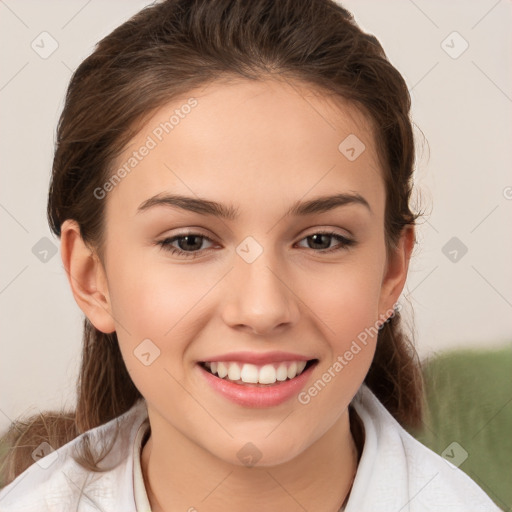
{"x":206,"y":207}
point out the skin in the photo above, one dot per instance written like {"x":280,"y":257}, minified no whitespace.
{"x":260,"y":147}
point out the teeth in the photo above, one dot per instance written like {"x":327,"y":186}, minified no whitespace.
{"x":222,"y":370}
{"x":282,"y":372}
{"x":249,"y":373}
{"x":292,"y":370}
{"x":233,"y":371}
{"x":252,"y":374}
{"x":267,"y":375}
{"x":300,"y":366}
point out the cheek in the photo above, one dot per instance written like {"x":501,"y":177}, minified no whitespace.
{"x":150,"y":305}
{"x":346,"y":298}
{"x":151,"y":298}
{"x":347,"y":306}
{"x":158,"y":310}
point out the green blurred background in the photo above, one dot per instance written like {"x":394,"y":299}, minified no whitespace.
{"x":469,"y":401}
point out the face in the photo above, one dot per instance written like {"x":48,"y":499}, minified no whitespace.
{"x":284,"y":277}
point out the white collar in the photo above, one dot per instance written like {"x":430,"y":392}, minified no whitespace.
{"x":395,"y":473}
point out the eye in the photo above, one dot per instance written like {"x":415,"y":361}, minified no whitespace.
{"x":322,"y":240}
{"x":189,"y":244}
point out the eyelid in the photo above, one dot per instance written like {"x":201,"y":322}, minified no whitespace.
{"x":192,"y":230}
{"x":344,"y":243}
{"x":176,"y":236}
{"x":328,"y":230}
{"x":165,"y":244}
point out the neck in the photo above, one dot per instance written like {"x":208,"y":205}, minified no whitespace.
{"x":180,"y":476}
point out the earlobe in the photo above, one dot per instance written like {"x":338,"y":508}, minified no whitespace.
{"x":86,"y":277}
{"x":396,"y":272}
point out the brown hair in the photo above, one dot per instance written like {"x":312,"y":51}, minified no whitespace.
{"x":162,"y":52}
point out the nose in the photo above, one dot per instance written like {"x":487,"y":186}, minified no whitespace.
{"x":259,"y":298}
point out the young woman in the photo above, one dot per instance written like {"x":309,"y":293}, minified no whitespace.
{"x":231,"y":188}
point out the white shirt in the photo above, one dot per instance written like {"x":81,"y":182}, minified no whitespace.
{"x":140,"y":495}
{"x":396,"y":473}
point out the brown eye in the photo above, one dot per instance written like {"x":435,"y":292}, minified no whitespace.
{"x":189,"y":244}
{"x":322,"y":241}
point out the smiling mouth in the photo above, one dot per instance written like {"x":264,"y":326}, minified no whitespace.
{"x":247,"y":374}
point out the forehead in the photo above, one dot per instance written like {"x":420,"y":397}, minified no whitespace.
{"x":241,"y":135}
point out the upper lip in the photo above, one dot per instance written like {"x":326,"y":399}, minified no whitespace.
{"x":258,"y":358}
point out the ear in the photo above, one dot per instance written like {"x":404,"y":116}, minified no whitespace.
{"x":86,"y":277}
{"x":395,"y":274}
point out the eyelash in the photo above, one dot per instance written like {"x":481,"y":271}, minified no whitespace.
{"x":166,"y":243}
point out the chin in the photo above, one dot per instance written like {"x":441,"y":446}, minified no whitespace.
{"x":260,"y":453}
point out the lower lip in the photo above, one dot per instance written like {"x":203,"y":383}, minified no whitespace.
{"x":258,"y":396}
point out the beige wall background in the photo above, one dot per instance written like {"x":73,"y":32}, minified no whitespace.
{"x":456,"y":59}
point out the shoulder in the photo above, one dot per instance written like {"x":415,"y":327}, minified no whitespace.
{"x":57,"y":483}
{"x":397,"y":472}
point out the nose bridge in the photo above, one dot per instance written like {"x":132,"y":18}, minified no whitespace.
{"x":259,"y":299}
